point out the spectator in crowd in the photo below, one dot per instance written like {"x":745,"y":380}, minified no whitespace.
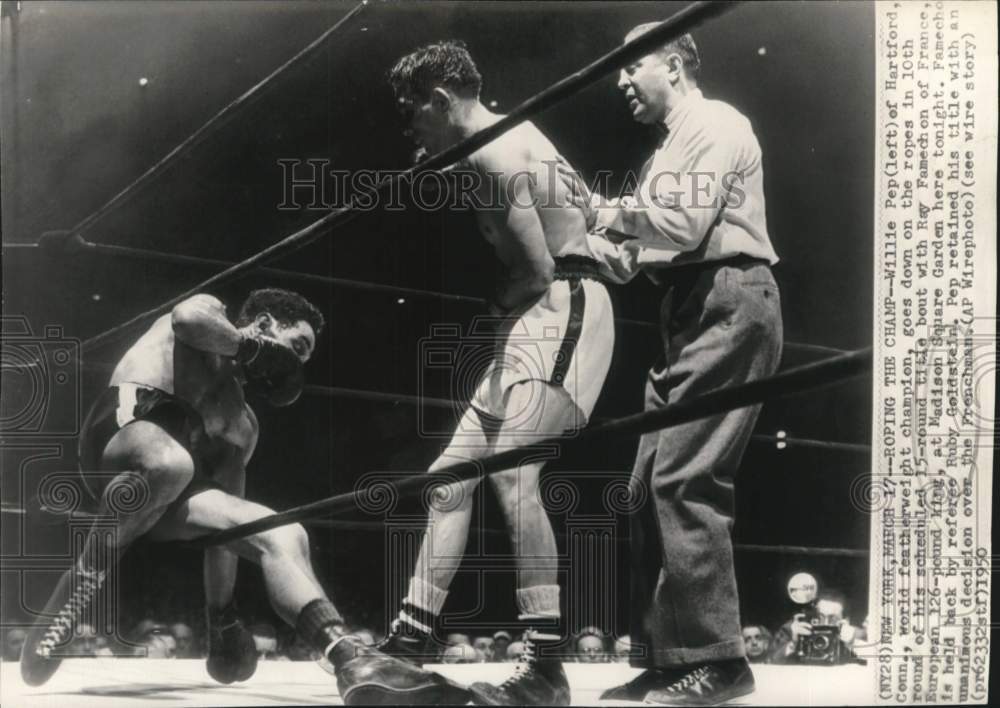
{"x":461,"y":654}
{"x":757,"y":641}
{"x":144,"y":627}
{"x":501,"y":640}
{"x":457,"y":638}
{"x":623,"y":647}
{"x":89,"y":643}
{"x":152,"y":639}
{"x":184,"y":637}
{"x":103,"y":649}
{"x":829,"y":610}
{"x":514,"y":651}
{"x":158,"y":645}
{"x":485,"y":646}
{"x":12,"y":644}
{"x":590,"y":649}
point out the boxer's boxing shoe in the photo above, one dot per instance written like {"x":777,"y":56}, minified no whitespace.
{"x":47,"y":643}
{"x":232,"y":653}
{"x":708,"y":684}
{"x":366,"y":676}
{"x":537,"y":680}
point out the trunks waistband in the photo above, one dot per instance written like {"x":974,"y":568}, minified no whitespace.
{"x":575,"y":267}
{"x":137,"y":400}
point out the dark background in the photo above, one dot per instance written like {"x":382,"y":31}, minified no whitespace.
{"x":77,"y":127}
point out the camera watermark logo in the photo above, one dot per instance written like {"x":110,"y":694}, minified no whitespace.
{"x":41,"y":381}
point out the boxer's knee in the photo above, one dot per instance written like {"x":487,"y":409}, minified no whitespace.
{"x":149,"y":486}
{"x":448,"y":495}
{"x":516,"y":489}
{"x":153,"y":467}
{"x":289,"y":540}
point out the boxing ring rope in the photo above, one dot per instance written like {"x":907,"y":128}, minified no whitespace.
{"x":67,"y":243}
{"x":776,"y":548}
{"x":220,"y":119}
{"x":450,"y":404}
{"x":679,"y":23}
{"x":358,"y":394}
{"x":789,"y":381}
{"x":380,"y":526}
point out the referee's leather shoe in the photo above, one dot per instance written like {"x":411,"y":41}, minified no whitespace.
{"x":648,"y":680}
{"x":707,"y":684}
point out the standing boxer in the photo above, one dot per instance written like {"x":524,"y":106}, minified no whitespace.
{"x":553,"y":350}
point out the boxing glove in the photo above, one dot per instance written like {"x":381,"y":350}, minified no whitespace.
{"x":272,"y":370}
{"x":232,"y":654}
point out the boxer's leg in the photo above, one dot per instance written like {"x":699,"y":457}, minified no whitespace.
{"x":550,"y":410}
{"x":536,"y":410}
{"x":547,"y":412}
{"x":153,"y":470}
{"x":442,"y":546}
{"x":219,"y":563}
{"x":364,"y":675}
{"x":232,"y":654}
{"x":282,"y":553}
{"x":451,"y":506}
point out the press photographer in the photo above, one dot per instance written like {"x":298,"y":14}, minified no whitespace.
{"x":819,"y":634}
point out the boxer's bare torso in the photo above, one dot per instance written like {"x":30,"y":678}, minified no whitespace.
{"x":518,"y":174}
{"x":208,"y":382}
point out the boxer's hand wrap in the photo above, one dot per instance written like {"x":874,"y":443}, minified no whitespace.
{"x":272,"y":370}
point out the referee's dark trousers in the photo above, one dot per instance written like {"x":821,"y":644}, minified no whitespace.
{"x":721,"y":326}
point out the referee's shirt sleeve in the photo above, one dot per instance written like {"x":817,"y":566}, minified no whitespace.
{"x":686,"y":187}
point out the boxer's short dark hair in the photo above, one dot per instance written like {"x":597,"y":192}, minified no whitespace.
{"x":283,"y":305}
{"x":446,"y":63}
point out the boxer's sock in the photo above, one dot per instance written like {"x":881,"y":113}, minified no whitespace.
{"x":422,"y":606}
{"x":321,"y":626}
{"x":539,"y":602}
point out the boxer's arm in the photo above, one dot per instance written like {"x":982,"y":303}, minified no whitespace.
{"x":524,"y":250}
{"x":251,"y":444}
{"x":532,"y":268}
{"x":231,"y":472}
{"x":201,"y":323}
{"x":220,"y":564}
